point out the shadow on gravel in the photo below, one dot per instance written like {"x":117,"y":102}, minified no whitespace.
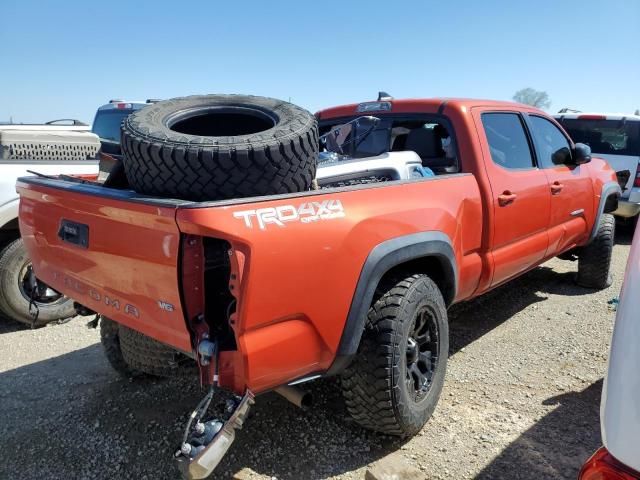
{"x":624,"y":232}
{"x":73,"y":417}
{"x":475,"y":318}
{"x":557,"y":445}
{"x":8,"y":325}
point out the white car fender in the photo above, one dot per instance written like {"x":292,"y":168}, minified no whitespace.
{"x":10,"y":171}
{"x":620,"y":407}
{"x":8,"y":212}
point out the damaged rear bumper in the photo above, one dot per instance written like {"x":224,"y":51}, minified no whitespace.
{"x":207,"y":459}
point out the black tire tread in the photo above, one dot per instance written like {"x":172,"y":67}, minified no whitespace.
{"x":594,"y":260}
{"x":110,"y":339}
{"x":144,"y":354}
{"x":164,"y":163}
{"x":370,"y":384}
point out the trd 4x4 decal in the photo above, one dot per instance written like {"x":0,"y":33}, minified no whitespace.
{"x":305,"y":213}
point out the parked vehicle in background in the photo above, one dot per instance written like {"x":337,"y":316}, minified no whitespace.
{"x":616,"y":138}
{"x":109,"y":117}
{"x":227,"y":254}
{"x":619,"y":459}
{"x":62,"y":124}
{"x":49,"y":149}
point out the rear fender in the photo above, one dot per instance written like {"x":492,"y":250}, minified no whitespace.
{"x":384,"y":257}
{"x":608,"y":203}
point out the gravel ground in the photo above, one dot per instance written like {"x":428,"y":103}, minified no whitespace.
{"x":521,"y":400}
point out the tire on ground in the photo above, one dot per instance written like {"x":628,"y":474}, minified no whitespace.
{"x":214,"y":147}
{"x":378,"y":387}
{"x":110,"y":339}
{"x":130,"y":353}
{"x":14,"y":299}
{"x":594,"y":260}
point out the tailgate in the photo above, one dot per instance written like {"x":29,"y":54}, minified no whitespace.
{"x":113,"y":251}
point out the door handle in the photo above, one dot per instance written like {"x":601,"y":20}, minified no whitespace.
{"x":556,"y":188}
{"x":506,"y":198}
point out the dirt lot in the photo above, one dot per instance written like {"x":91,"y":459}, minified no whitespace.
{"x":521,"y":400}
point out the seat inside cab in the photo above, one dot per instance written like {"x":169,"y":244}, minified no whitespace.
{"x":430,"y":139}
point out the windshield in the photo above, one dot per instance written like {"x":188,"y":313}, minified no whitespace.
{"x":107,"y":124}
{"x":612,"y":137}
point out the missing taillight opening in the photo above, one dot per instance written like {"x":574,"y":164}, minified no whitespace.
{"x":220,"y":304}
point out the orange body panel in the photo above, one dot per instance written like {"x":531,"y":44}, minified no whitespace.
{"x":305,"y":273}
{"x":296,"y":260}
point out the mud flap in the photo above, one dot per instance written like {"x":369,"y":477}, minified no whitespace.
{"x":207,"y":444}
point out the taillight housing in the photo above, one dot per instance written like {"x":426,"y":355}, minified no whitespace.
{"x":602,"y":466}
{"x":636,"y":182}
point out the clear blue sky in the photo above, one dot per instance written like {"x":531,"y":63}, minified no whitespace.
{"x":65,"y":58}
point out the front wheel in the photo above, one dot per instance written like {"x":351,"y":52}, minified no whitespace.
{"x":18,"y":285}
{"x":394,"y":383}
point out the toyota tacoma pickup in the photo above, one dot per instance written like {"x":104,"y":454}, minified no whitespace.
{"x":350,"y":279}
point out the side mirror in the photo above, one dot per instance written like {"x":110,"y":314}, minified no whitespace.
{"x":582,"y":154}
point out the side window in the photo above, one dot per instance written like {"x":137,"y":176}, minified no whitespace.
{"x":507,"y":140}
{"x":551,"y":145}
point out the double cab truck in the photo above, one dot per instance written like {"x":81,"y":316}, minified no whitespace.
{"x":350,"y":280}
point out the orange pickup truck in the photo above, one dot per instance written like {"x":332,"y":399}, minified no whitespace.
{"x":351,"y":279}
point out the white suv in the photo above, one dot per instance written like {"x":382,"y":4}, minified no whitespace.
{"x":616,"y":138}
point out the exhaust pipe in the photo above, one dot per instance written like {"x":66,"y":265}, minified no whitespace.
{"x":300,"y":398}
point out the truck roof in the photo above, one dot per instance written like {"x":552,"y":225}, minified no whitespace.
{"x":414,"y":105}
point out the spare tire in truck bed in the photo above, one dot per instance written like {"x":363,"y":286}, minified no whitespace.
{"x":215,"y":147}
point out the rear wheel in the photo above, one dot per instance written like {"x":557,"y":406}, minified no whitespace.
{"x":132,"y":353}
{"x":110,"y":339}
{"x":394,"y":383}
{"x":18,"y":285}
{"x":594,"y":260}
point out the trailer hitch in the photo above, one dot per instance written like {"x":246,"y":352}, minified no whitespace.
{"x":204,"y":444}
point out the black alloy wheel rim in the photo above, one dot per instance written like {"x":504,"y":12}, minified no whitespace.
{"x":422,"y":354}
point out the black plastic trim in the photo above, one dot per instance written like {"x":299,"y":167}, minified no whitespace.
{"x":97,"y":190}
{"x":380,"y":260}
{"x":609,"y":189}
